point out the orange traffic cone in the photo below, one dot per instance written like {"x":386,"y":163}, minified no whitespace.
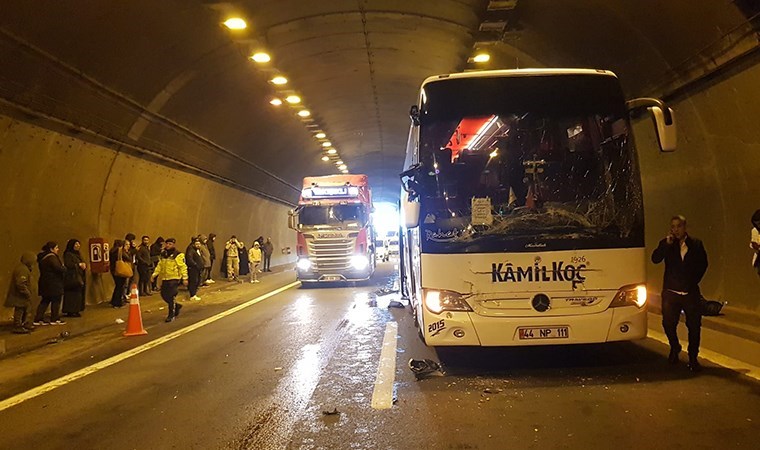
{"x":134,"y":321}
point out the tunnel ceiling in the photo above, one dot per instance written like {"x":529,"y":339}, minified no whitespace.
{"x":167,"y":79}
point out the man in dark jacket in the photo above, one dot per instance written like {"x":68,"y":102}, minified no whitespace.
{"x":144,"y":266}
{"x":267,"y":249}
{"x":155,"y":254}
{"x":685,"y":265}
{"x":194,"y":261}
{"x":20,"y":295}
{"x":212,"y":253}
{"x":50,"y":284}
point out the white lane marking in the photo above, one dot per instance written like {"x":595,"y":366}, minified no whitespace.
{"x":382,"y":397}
{"x":49,"y":386}
{"x":714,"y":357}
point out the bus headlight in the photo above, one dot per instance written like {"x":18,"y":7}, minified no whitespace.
{"x":303,"y":264}
{"x":438,"y":301}
{"x":631,"y":295}
{"x":359,"y":262}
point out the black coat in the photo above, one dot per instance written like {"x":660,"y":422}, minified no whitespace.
{"x":193,"y":259}
{"x":51,"y":275}
{"x":75,"y":275}
{"x":682,"y":275}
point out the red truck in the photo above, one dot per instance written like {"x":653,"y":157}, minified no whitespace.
{"x":334,"y":228}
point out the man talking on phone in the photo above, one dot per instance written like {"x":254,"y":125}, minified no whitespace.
{"x":685,"y":265}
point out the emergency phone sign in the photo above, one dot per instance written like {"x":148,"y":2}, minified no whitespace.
{"x":99,"y":258}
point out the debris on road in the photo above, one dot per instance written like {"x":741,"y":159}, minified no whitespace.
{"x":331,"y":413}
{"x":396,"y":304}
{"x":277,"y":369}
{"x":424,"y":367}
{"x":119,"y":321}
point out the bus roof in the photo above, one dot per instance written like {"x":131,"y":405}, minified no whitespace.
{"x":518,"y":73}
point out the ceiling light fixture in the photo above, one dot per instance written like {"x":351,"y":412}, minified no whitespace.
{"x":261,"y":57}
{"x":344,"y":171}
{"x":235,"y":23}
{"x":482,"y":57}
{"x":320,"y":135}
{"x":304,"y":113}
{"x":279,"y":80}
{"x":325,"y":158}
{"x":343,"y":167}
{"x":276,"y":101}
{"x":293,"y":99}
{"x":327,"y":144}
{"x":332,"y":151}
{"x":338,"y":162}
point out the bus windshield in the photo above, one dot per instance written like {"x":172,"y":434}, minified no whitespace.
{"x":350,"y":216}
{"x":527,"y":163}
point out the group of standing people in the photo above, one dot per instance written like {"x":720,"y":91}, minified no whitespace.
{"x":60,"y":279}
{"x":238,"y":260}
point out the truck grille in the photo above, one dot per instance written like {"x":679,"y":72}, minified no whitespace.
{"x":331,"y":254}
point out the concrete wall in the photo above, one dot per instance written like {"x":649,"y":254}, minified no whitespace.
{"x":714,"y":180}
{"x":56,"y":187}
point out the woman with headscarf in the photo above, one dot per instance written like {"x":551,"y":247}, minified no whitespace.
{"x":754,"y":241}
{"x":120,"y":282}
{"x":50,"y":284}
{"x":74,"y":280}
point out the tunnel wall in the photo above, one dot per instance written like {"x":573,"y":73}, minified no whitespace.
{"x":713,"y":180}
{"x":57,"y":187}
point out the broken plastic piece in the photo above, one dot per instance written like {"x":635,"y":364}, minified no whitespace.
{"x":424,"y":367}
{"x":119,"y":321}
{"x":331,"y":413}
{"x":395,"y":304}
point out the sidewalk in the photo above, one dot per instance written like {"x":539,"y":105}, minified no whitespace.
{"x":102,"y":316}
{"x":734,"y":334}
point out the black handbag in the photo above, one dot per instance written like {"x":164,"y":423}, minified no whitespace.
{"x":710,"y":307}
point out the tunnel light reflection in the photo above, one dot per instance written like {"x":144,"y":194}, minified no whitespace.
{"x":326,"y":144}
{"x":482,"y":57}
{"x":276,"y":102}
{"x":343,"y":167}
{"x":306,"y":371}
{"x":304,"y":113}
{"x":325,"y":158}
{"x":279,"y":80}
{"x":293,"y":99}
{"x":320,"y":135}
{"x":332,"y":151}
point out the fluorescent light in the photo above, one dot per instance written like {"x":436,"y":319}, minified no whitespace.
{"x":276,"y":101}
{"x":279,"y":80}
{"x":494,"y":154}
{"x":482,"y":57}
{"x":343,"y":167}
{"x":344,"y":170}
{"x":325,"y":158}
{"x":339,"y":162}
{"x":326,"y":144}
{"x":304,"y":113}
{"x":293,"y":99}
{"x":332,"y":151}
{"x":320,"y":135}
{"x":235,"y":23}
{"x":261,"y":57}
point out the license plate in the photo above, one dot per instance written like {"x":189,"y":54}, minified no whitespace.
{"x":543,"y":332}
{"x":332,"y":278}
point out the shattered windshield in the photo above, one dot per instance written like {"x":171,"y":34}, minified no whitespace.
{"x":333,"y":215}
{"x":537,"y":163}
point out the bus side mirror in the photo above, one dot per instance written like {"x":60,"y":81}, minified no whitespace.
{"x":292,"y":219}
{"x":410,"y":211}
{"x":664,"y":120}
{"x":666,"y":129}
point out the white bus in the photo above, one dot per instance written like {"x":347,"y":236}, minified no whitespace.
{"x":522,"y":211}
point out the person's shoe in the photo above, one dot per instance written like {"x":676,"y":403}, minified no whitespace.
{"x":177,"y":307}
{"x":195,"y":298}
{"x":210,"y":281}
{"x":58,"y":322}
{"x":252,"y":281}
{"x":28,"y":326}
{"x":75,"y":315}
{"x":169,"y":319}
{"x":257,"y":281}
{"x":40,"y":323}
{"x":21,"y":330}
{"x":694,"y":365}
{"x":673,"y":356}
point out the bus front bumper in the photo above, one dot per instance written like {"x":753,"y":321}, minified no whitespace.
{"x":467,"y":328}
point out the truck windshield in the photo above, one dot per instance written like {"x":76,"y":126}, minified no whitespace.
{"x":333,"y":215}
{"x":526,"y":163}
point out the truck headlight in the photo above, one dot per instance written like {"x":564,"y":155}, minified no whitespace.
{"x":359,"y":262}
{"x":303,"y":264}
{"x":437,"y":301}
{"x":630,"y":295}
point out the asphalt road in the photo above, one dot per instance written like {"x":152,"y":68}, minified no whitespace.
{"x":265,"y":376}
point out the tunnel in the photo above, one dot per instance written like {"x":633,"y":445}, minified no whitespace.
{"x":161,"y":118}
